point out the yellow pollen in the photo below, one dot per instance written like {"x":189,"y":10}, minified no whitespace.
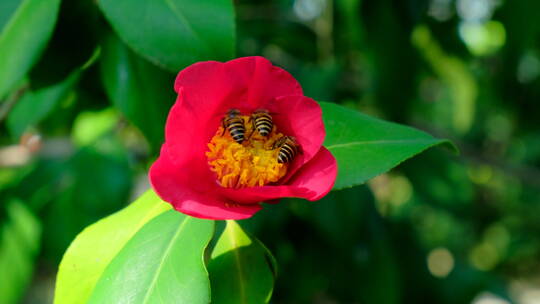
{"x":250,"y":164}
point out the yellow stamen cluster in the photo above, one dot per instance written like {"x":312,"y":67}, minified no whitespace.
{"x":252,"y":163}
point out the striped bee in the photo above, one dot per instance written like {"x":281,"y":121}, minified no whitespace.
{"x":262,"y":122}
{"x":233,"y":123}
{"x":288,"y":149}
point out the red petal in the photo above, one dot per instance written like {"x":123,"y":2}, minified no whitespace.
{"x":254,"y":78}
{"x":301,"y":117}
{"x":181,"y":187}
{"x":313,"y":181}
{"x":207,"y":90}
{"x":185,"y":135}
{"x":261,"y":82}
{"x":318,"y":175}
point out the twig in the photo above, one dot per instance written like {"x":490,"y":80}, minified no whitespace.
{"x":7,"y":105}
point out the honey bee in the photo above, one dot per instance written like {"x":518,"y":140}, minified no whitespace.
{"x":233,"y":123}
{"x":262,"y":122}
{"x":288,"y":149}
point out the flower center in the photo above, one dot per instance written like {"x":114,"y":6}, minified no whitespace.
{"x":252,"y":163}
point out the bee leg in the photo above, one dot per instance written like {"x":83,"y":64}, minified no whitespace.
{"x":223,"y":125}
{"x":253,"y":129}
{"x":251,"y":133}
{"x":276,"y":144}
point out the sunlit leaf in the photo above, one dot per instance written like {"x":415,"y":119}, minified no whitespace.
{"x":91,"y":252}
{"x":23,"y":39}
{"x":174,"y":33}
{"x":241,"y":268}
{"x":366,"y":147}
{"x":162,"y":263}
{"x":90,"y":126}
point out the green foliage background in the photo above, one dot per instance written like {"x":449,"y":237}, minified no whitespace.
{"x":85,"y":87}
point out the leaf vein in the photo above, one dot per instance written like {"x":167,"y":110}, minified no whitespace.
{"x":383,"y":142}
{"x":184,"y":21}
{"x":238,"y":266}
{"x":162,"y":262}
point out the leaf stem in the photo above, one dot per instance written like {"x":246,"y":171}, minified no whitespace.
{"x":8,"y":104}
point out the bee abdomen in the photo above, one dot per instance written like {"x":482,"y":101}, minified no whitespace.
{"x":264,"y":125}
{"x":286,"y":153}
{"x":237,"y":130}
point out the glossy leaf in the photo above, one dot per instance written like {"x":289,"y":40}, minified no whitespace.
{"x":366,"y":147}
{"x":140,"y":90}
{"x":174,"y":33}
{"x":241,"y":268}
{"x":23,"y":39}
{"x":91,"y":252}
{"x":19,"y":245}
{"x":162,"y":263}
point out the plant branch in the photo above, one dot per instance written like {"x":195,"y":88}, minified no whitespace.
{"x":8,"y":104}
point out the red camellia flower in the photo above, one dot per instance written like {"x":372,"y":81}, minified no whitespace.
{"x":217,"y":164}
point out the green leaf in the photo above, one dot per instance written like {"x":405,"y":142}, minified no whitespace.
{"x":23,"y":39}
{"x":241,"y":269}
{"x":140,"y":90}
{"x":365,"y":147}
{"x":162,"y":263}
{"x":34,"y":106}
{"x":19,"y":245}
{"x":92,"y":251}
{"x":174,"y":33}
{"x":74,"y":39}
{"x":75,"y":199}
{"x":90,"y":126}
{"x":7,"y":7}
{"x":457,"y":77}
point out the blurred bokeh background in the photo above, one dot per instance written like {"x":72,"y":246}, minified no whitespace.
{"x":440,"y":228}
